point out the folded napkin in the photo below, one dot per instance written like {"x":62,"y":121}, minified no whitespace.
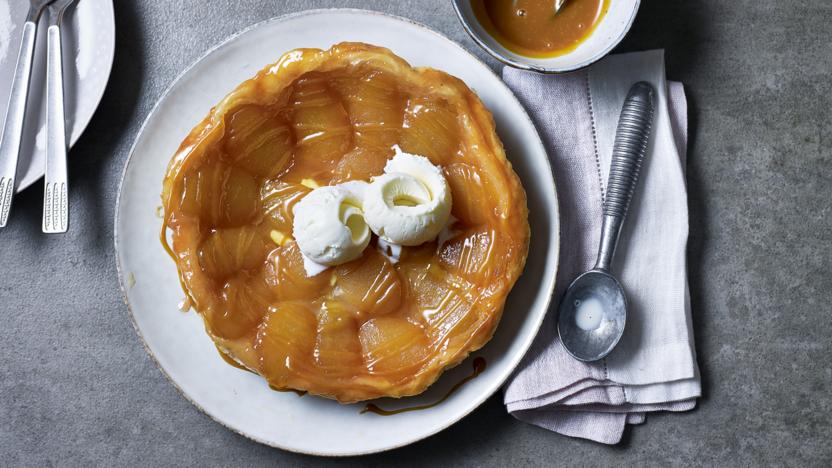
{"x":653,"y":368}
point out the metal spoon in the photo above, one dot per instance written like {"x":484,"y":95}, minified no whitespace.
{"x":593,"y":311}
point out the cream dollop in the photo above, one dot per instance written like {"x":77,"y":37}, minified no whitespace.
{"x":410,"y":203}
{"x":329,"y":224}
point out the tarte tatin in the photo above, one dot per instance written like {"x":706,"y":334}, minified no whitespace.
{"x":369,"y":328}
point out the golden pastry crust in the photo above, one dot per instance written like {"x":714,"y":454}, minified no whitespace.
{"x":369,"y":328}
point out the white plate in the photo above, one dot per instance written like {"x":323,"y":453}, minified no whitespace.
{"x":241,"y":400}
{"x":88,"y":47}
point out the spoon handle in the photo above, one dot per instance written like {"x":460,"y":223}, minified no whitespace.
{"x":631,"y":138}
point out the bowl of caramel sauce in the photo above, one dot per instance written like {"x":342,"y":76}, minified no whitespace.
{"x":528,"y":34}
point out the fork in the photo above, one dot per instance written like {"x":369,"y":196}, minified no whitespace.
{"x":55,"y":186}
{"x":13,"y":124}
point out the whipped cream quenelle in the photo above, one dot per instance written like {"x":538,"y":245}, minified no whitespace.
{"x":329,"y":225}
{"x":410,"y":203}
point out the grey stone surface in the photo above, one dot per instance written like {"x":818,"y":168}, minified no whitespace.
{"x":77,"y":389}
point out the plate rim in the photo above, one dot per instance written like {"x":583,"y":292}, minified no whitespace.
{"x":526,"y":344}
{"x":111,"y":18}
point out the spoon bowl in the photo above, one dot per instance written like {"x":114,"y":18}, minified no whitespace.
{"x":592,"y":315}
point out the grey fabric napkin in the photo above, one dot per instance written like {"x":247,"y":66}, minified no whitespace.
{"x":653,"y":368}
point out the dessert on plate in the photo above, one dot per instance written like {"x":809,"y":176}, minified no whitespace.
{"x":346,"y":224}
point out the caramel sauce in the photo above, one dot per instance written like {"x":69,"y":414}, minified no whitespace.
{"x":368,"y":328}
{"x":531,"y":28}
{"x":163,"y":238}
{"x":230,"y":361}
{"x":479,"y":366}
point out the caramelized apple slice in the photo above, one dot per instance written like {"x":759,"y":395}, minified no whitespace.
{"x":375,"y":106}
{"x":201,"y":191}
{"x":392,"y":344}
{"x":469,"y":192}
{"x":370,"y":284}
{"x":285,"y":341}
{"x":240,"y":201}
{"x":245,"y":299}
{"x":220,"y":195}
{"x":470,"y":253}
{"x":227,"y":251}
{"x":473,"y":256}
{"x":443,"y":305}
{"x":360,"y":164}
{"x":278,"y":199}
{"x":431,"y":130}
{"x":288,"y":277}
{"x":258,"y":141}
{"x":321,"y":125}
{"x":337,"y":350}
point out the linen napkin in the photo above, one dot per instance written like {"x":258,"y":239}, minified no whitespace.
{"x":653,"y":368}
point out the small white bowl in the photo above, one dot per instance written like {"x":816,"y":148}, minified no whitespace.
{"x":609,"y":32}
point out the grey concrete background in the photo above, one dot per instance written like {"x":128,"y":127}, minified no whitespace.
{"x":77,"y":389}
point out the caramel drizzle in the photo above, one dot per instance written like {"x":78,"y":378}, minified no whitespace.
{"x":479,"y":366}
{"x":228,"y":359}
{"x":163,"y":238}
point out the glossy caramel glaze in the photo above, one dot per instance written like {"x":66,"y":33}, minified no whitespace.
{"x":369,"y":328}
{"x":531,"y":27}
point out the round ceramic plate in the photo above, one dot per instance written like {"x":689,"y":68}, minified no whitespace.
{"x":240,"y":400}
{"x":88,"y":47}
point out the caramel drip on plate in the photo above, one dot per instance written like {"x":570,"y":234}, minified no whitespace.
{"x":236,"y":364}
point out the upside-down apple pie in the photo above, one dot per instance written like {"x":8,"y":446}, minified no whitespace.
{"x":384,"y":315}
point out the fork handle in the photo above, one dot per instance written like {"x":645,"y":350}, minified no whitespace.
{"x":13,"y":125}
{"x":55,"y":189}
